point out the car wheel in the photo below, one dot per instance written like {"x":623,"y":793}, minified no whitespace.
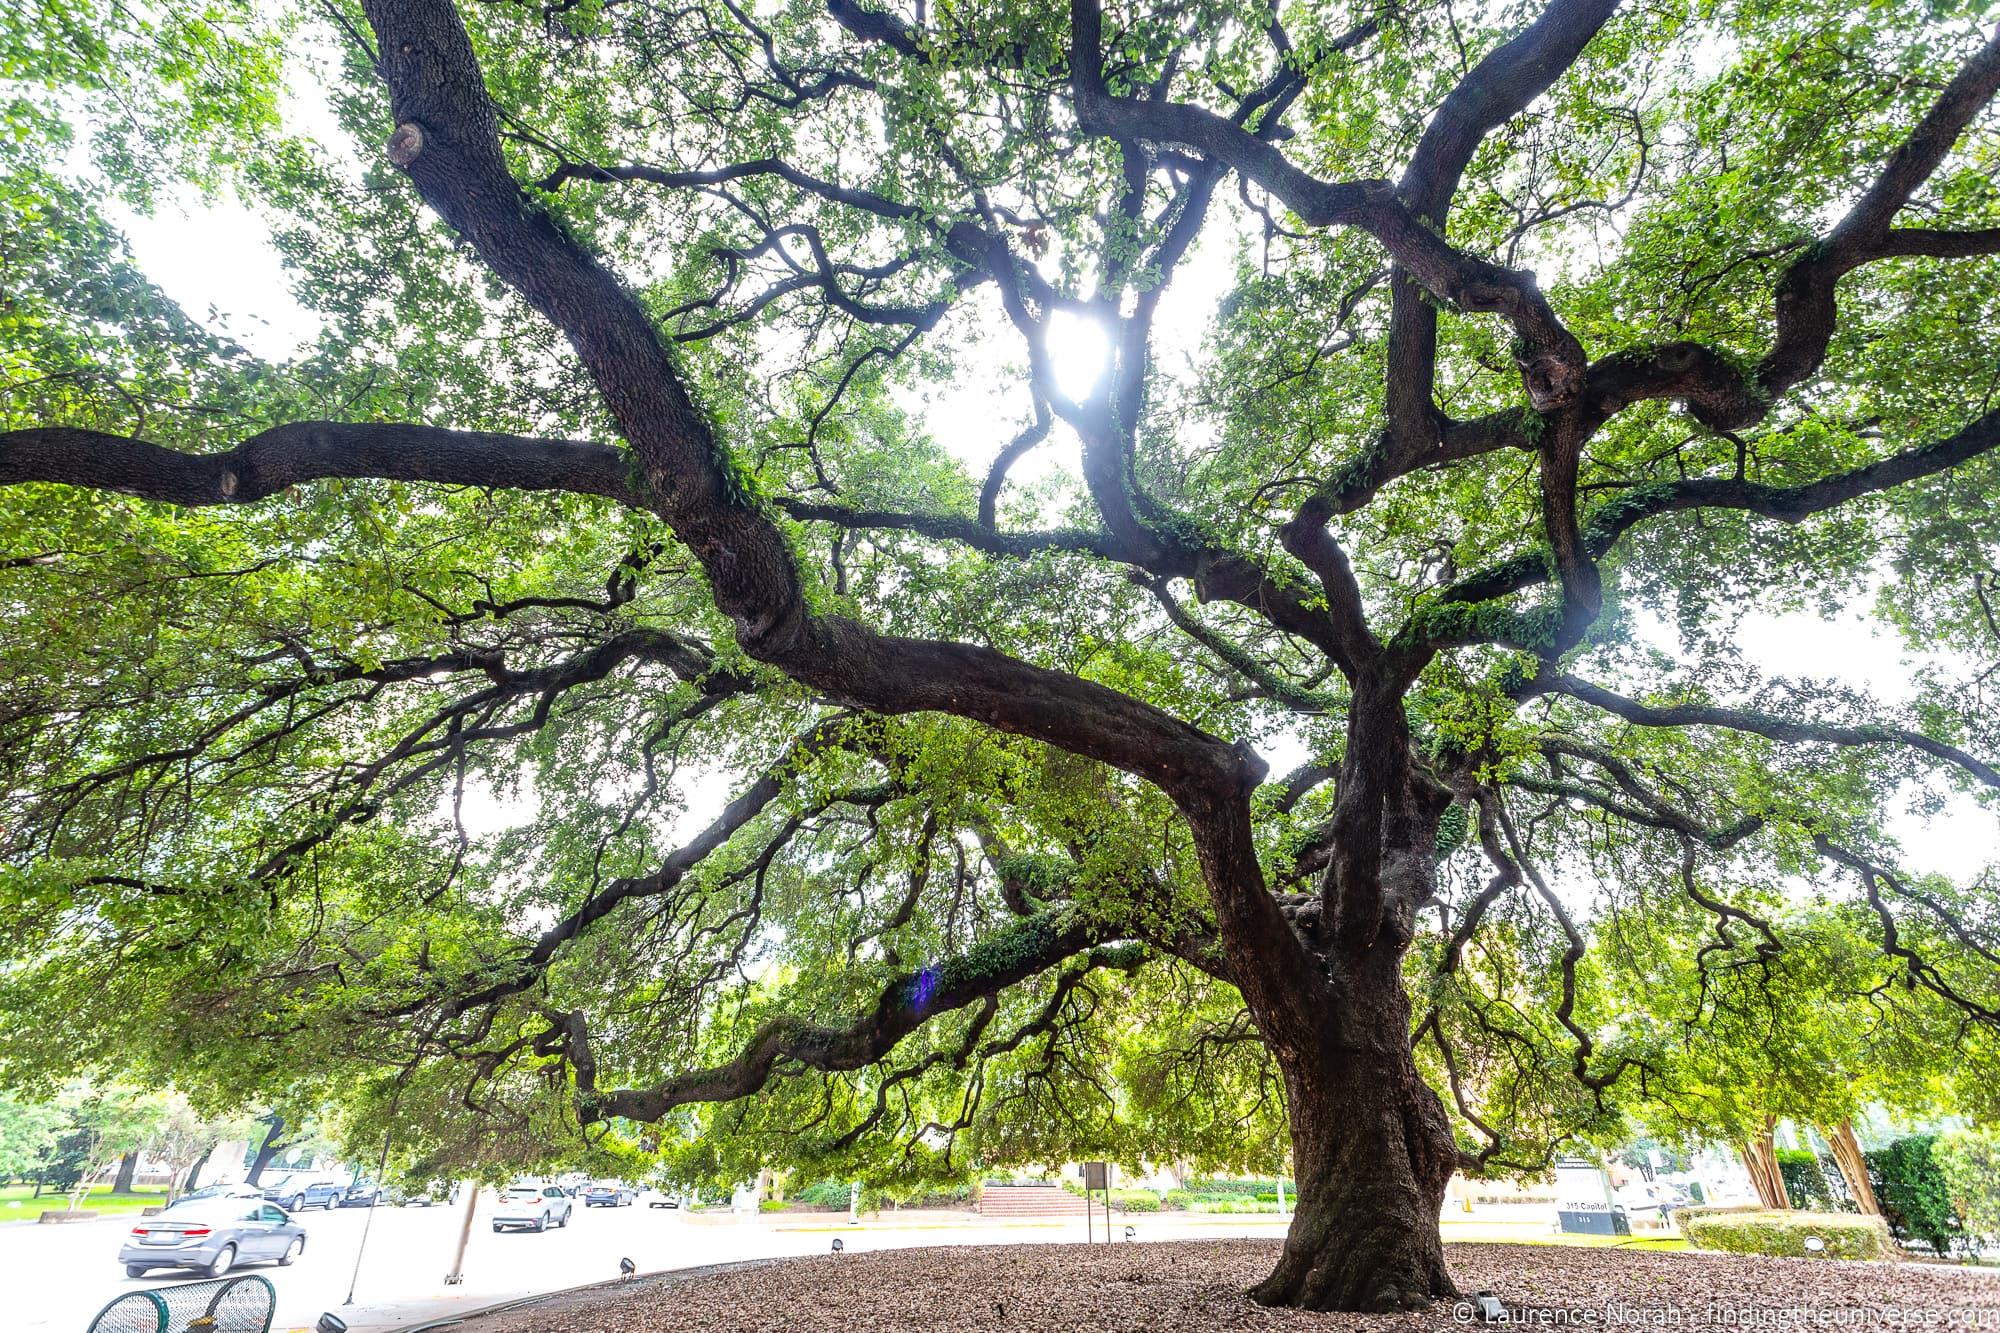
{"x":542,"y":1222}
{"x":292,"y":1252}
{"x":565,"y":1219}
{"x":296,"y":1202}
{"x":136,"y":1270}
{"x":223,"y":1262}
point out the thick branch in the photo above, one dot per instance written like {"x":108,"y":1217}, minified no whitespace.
{"x":1762,"y":724}
{"x":305,"y":451}
{"x":906,"y":1003}
{"x":1788,"y":504}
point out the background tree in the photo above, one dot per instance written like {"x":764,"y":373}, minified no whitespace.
{"x":105,"y":1122}
{"x":855,"y":793}
{"x":27,"y":1136}
{"x":1745,"y":1036}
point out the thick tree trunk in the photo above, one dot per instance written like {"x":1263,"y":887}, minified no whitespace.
{"x":128,"y":1167}
{"x":1373,"y":1152}
{"x":272,"y":1145}
{"x":1760,"y":1159}
{"x":193,"y":1172}
{"x":1853,"y":1165}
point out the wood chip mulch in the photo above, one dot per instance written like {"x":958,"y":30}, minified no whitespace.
{"x":1198,"y":1285}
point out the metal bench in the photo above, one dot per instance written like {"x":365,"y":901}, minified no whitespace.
{"x":243,"y":1304}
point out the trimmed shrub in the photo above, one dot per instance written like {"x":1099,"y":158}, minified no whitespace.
{"x":1843,"y":1235}
{"x":1228,"y":1204}
{"x":1914,"y":1194}
{"x":1805,"y":1180}
{"x":1135,"y":1201}
{"x":1682,"y":1216}
{"x":825,"y":1194}
{"x":1223,"y":1186}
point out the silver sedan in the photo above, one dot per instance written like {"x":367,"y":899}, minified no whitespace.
{"x":212,"y":1236}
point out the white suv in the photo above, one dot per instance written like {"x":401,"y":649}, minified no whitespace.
{"x":532,"y":1206}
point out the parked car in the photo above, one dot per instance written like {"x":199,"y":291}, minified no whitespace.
{"x":212,"y":1236}
{"x":606,"y":1194}
{"x":402,"y":1196}
{"x":299,"y":1191}
{"x":222,"y":1192}
{"x":361,"y":1194}
{"x":535,"y":1207}
{"x":661,"y":1199}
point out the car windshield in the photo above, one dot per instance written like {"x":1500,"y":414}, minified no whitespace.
{"x":521,"y":1196}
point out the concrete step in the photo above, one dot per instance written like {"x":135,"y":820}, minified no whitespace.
{"x":1029,"y":1201}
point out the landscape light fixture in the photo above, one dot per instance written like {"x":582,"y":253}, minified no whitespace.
{"x":626,"y":1268}
{"x":837,"y":1245}
{"x":1814,"y":1244}
{"x":1489,"y":1308}
{"x":330,"y":1323}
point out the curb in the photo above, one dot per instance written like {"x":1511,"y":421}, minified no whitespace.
{"x":667,"y":1276}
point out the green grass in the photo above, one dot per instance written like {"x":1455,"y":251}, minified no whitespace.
{"x":17,"y":1206}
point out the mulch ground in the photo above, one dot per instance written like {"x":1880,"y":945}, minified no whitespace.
{"x":1198,"y":1285}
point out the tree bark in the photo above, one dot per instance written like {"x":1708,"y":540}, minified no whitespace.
{"x":194,"y":1169}
{"x":1373,"y":1152}
{"x":1760,"y":1159}
{"x":273,"y":1144}
{"x":128,"y":1167}
{"x":1853,"y":1165}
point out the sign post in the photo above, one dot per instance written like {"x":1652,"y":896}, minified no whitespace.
{"x":1097,"y":1176}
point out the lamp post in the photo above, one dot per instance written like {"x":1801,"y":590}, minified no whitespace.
{"x":381,"y":1168}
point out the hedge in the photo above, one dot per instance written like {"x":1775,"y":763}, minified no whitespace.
{"x":826,"y":1194}
{"x":1226,"y":1186}
{"x":1914,"y":1193}
{"x":1135,"y":1201}
{"x":1214,"y":1203}
{"x":1805,"y":1180}
{"x":1682,"y":1216}
{"x":1846,"y":1235}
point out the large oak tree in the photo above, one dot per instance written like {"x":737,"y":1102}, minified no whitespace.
{"x":864,"y":809}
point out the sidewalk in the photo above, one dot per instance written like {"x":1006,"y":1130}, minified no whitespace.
{"x":419,"y":1315}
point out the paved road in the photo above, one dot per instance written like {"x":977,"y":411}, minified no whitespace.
{"x":54,"y":1278}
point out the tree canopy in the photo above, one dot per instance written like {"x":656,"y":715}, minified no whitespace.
{"x":751,"y":629}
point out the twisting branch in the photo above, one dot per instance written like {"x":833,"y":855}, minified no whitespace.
{"x":1760,"y":724}
{"x":1450,"y":620}
{"x":1876,"y":879}
{"x":1510,"y":859}
{"x":1552,"y":361}
{"x":906,"y":1003}
{"x":747,"y":805}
